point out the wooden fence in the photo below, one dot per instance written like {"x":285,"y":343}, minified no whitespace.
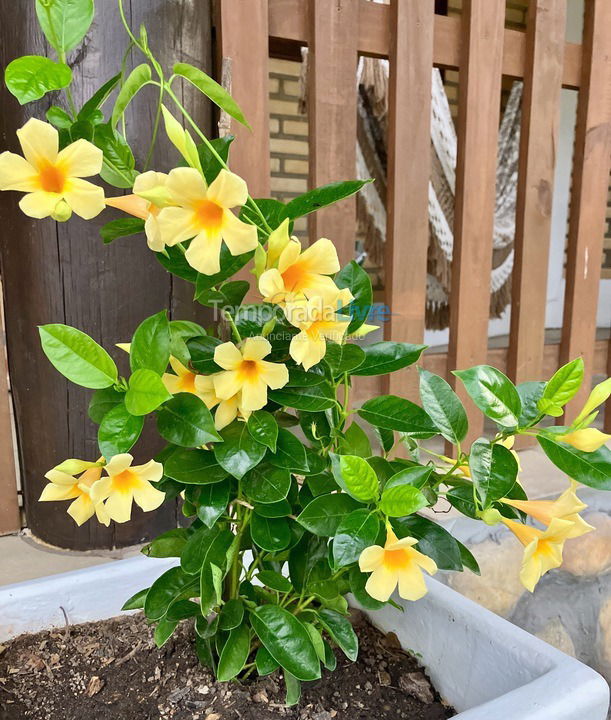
{"x":414,"y":39}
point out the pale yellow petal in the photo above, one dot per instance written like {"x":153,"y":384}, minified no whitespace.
{"x":39,"y":142}
{"x":173,"y":384}
{"x":274,"y":375}
{"x":227,"y":384}
{"x":204,"y":389}
{"x":100,"y":490}
{"x":81,"y":509}
{"x":289,"y":255}
{"x":148,"y":497}
{"x":226,"y":412}
{"x":204,"y":252}
{"x":153,"y":234}
{"x":152,"y":471}
{"x":321,"y":285}
{"x":411,"y":583}
{"x":85,"y":198}
{"x":530,"y":572}
{"x":227,"y":356}
{"x":402,"y":544}
{"x":119,"y":506}
{"x":52,"y":492}
{"x":186,"y":186}
{"x":131,"y":204}
{"x":16,"y":173}
{"x":587,"y":440}
{"x":176,"y":225}
{"x":381,"y":584}
{"x":39,"y":204}
{"x":119,"y":463}
{"x":371,"y":558}
{"x":271,"y":286}
{"x":321,"y":257}
{"x":149,"y":180}
{"x":424,"y":561}
{"x":256,"y":348}
{"x":57,"y":477}
{"x":307,"y":351}
{"x":240,"y":237}
{"x":277,"y":241}
{"x":598,"y":396}
{"x":80,"y":159}
{"x":102,"y":514}
{"x":254,"y":394}
{"x":227,"y":190}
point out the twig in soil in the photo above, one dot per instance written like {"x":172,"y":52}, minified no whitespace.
{"x":129,"y":655}
{"x":67,"y":632}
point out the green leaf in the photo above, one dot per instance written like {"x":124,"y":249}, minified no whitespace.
{"x":136,"y":601}
{"x":263,"y":428}
{"x":386,"y":438}
{"x":168,"y":544}
{"x":239,"y":452}
{"x":325,"y":513}
{"x":77,"y":357}
{"x":59,"y":117}
{"x":209,"y":162}
{"x":385,"y":357}
{"x":293,"y":689}
{"x":401,"y":495}
{"x":119,"y":431}
{"x":181,"y":610}
{"x":186,"y":421}
{"x":123,"y":227}
{"x":173,"y":260}
{"x":274,"y":581}
{"x":561,"y":387}
{"x":118,"y":167}
{"x":205,"y":546}
{"x":103,"y":401}
{"x":395,"y":413}
{"x":163,"y":632}
{"x":355,"y":442}
{"x":180,"y":332}
{"x":461,"y":498}
{"x":303,"y":378}
{"x":356,"y":532}
{"x":173,"y":585}
{"x":194,"y":467}
{"x":493,"y":469}
{"x":353,"y":277}
{"x":146,"y":392}
{"x":212,"y":90}
{"x":135,"y":81}
{"x":530,"y":393}
{"x":443,"y":406}
{"x":322,"y":196}
{"x":98,"y":98}
{"x":341,"y":631}
{"x":493,"y":393}
{"x":592,"y":469}
{"x":343,"y":358}
{"x":468,"y":560}
{"x":265,"y":662}
{"x":357,"y":581}
{"x":64,"y":22}
{"x":313,"y":398}
{"x":201,"y":349}
{"x":304,"y":557}
{"x":30,"y":77}
{"x":150,"y":345}
{"x":231,"y":614}
{"x":270,"y":534}
{"x":266,"y":483}
{"x":234,"y":655}
{"x":433,"y":540}
{"x":286,"y":640}
{"x":210,"y":500}
{"x":290,"y":452}
{"x":354,"y":475}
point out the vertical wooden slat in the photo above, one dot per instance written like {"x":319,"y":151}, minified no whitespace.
{"x":478,"y":124}
{"x":592,"y":156}
{"x":409,"y":160}
{"x":538,"y":143}
{"x":332,"y":58}
{"x":607,"y":425}
{"x":9,"y":505}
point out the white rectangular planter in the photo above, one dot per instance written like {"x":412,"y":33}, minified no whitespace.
{"x":487,"y":668}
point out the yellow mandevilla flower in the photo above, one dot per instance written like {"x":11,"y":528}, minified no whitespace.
{"x":50,"y":177}
{"x":247,"y":373}
{"x":127,"y":483}
{"x":542,"y":548}
{"x":63,"y":486}
{"x":203,"y":213}
{"x":587,"y":439}
{"x":396,"y":563}
{"x":185,"y":381}
{"x":566,"y":507}
{"x":142,"y":208}
{"x":318,"y":321}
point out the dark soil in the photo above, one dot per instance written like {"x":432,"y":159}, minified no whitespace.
{"x":112,"y":670}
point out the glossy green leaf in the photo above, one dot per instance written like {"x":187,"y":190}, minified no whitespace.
{"x":357,"y":280}
{"x":186,"y":421}
{"x":341,"y":631}
{"x":201,"y":350}
{"x":77,"y":357}
{"x":592,"y":469}
{"x":150,"y":345}
{"x":493,"y":469}
{"x":356,"y":532}
{"x":290,"y":452}
{"x":174,"y":261}
{"x":266,"y":483}
{"x":530,"y":393}
{"x":211,"y":89}
{"x":286,"y":640}
{"x":59,"y":117}
{"x":443,"y":406}
{"x":343,"y":358}
{"x":180,"y":332}
{"x":385,"y":357}
{"x":561,"y":387}
{"x":164,"y":630}
{"x":326,"y":512}
{"x":119,"y":431}
{"x":401,"y":495}
{"x":493,"y":393}
{"x":355,"y":442}
{"x":313,"y":398}
{"x":64,"y":22}
{"x":210,"y":500}
{"x":263,"y":428}
{"x":168,"y":544}
{"x":235,"y":653}
{"x":395,"y":413}
{"x":354,"y":475}
{"x":31,"y":76}
{"x":205,"y":546}
{"x":209,"y":161}
{"x":103,"y":401}
{"x":173,"y":585}
{"x":123,"y":227}
{"x":278,"y":509}
{"x":468,"y":559}
{"x":433,"y":540}
{"x":134,"y":82}
{"x":136,"y":601}
{"x":274,"y":581}
{"x":461,"y":498}
{"x":304,"y":557}
{"x":239,"y":452}
{"x":293,"y":689}
{"x":146,"y":392}
{"x":264,"y":662}
{"x":194,"y":467}
{"x":98,"y":98}
{"x":321,"y":197}
{"x":270,"y":534}
{"x":118,"y":168}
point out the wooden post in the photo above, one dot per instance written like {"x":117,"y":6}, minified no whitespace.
{"x":332,"y":61}
{"x":592,"y":156}
{"x":10,"y":520}
{"x":478,"y":123}
{"x":409,"y":161}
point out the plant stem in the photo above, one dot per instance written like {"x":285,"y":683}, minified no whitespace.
{"x":234,"y":329}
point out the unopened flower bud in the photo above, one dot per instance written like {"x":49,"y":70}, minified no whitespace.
{"x":62,"y":211}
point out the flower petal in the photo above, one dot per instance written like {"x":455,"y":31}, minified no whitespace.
{"x":39,"y":142}
{"x":81,"y":509}
{"x":152,"y":471}
{"x":381,"y":584}
{"x":256,"y":348}
{"x":57,"y":477}
{"x":39,"y":204}
{"x":271,"y":286}
{"x":100,"y":490}
{"x":153,"y":234}
{"x":52,"y":492}
{"x":240,"y":237}
{"x":226,"y":412}
{"x":204,"y":252}
{"x":148,"y":497}
{"x":307,"y":351}
{"x":16,"y":173}
{"x":131,"y":204}
{"x":80,"y":159}
{"x":186,"y":186}
{"x":176,"y":225}
{"x":119,"y":463}
{"x":411,"y":583}
{"x":254,"y":394}
{"x":274,"y":375}
{"x":228,"y":190}
{"x":119,"y":506}
{"x":149,"y":180}
{"x":227,"y":384}
{"x":227,"y":356}
{"x":321,"y":257}
{"x":85,"y":198}
{"x":371,"y":558}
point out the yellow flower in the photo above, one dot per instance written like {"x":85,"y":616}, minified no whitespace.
{"x":509,"y":442}
{"x":396,"y":563}
{"x":63,"y":486}
{"x":247,"y":372}
{"x":318,"y":321}
{"x":203,"y":213}
{"x":598,"y":396}
{"x":126,"y":483}
{"x":228,"y":410}
{"x":542,"y":549}
{"x":301,"y":274}
{"x":565,"y":507}
{"x":185,"y":381}
{"x":588,"y":439}
{"x":50,"y":177}
{"x":142,"y":208}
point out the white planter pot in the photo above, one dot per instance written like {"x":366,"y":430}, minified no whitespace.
{"x":487,"y":668}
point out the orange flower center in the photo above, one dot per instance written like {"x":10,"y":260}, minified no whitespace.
{"x":295,"y":277}
{"x":395,"y":559}
{"x":52,"y":179}
{"x":124,"y":481}
{"x":187,"y":383}
{"x":209,"y":215}
{"x":249,"y":369}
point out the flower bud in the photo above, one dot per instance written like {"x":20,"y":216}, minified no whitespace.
{"x":491,"y":516}
{"x":62,"y":211}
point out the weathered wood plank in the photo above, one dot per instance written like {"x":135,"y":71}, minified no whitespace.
{"x":10,"y":516}
{"x":409,"y":160}
{"x":332,"y":116}
{"x":538,"y":142}
{"x":478,"y":123}
{"x":592,"y":157}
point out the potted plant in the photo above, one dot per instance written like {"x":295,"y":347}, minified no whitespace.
{"x":296,"y":500}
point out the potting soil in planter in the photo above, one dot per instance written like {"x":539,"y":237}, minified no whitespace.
{"x":112,"y":670}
